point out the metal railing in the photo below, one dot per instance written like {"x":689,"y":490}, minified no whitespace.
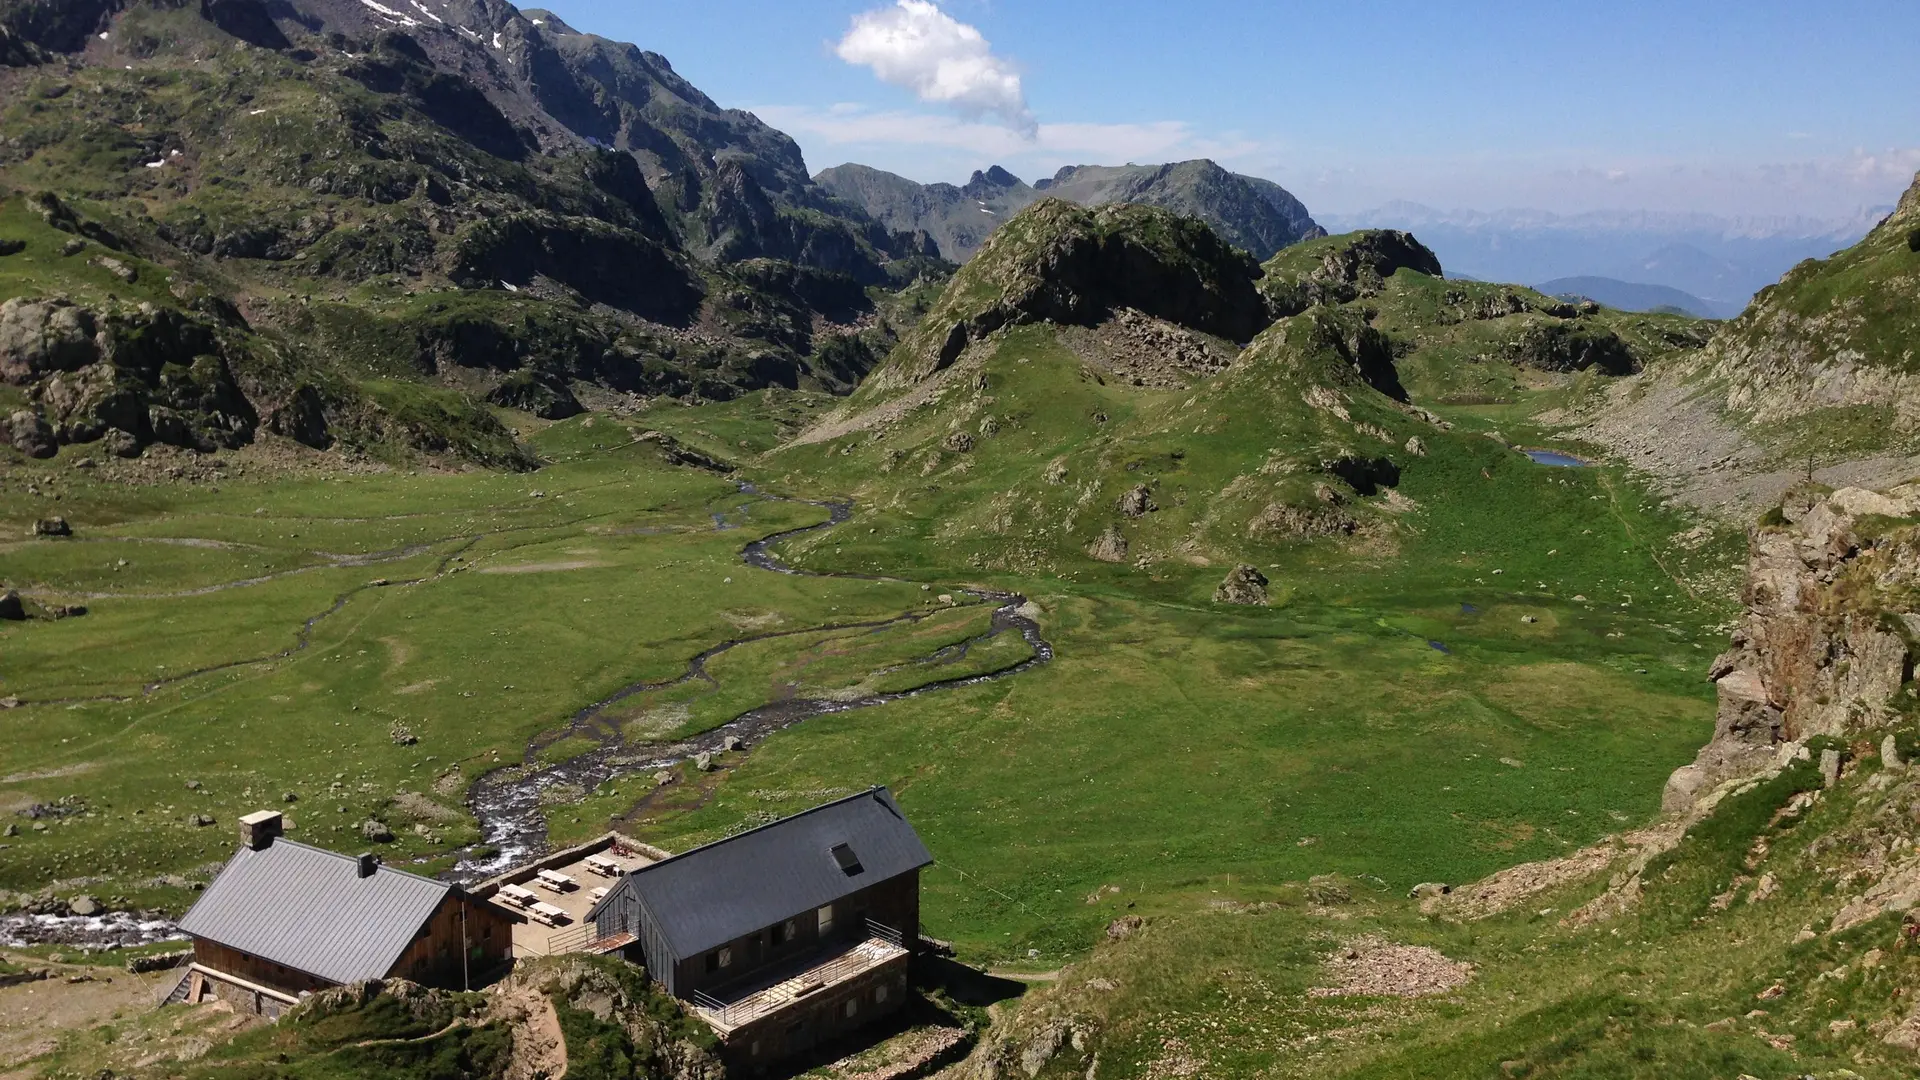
{"x":860,"y":957}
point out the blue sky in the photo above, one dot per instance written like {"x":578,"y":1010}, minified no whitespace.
{"x":1763,"y":108}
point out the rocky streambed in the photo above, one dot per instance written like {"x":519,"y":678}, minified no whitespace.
{"x":508,"y":801}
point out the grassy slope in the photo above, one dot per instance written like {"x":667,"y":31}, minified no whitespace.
{"x":1173,"y":741}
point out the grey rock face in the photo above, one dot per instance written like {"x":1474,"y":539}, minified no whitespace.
{"x":1244,"y":585}
{"x":42,"y":336}
{"x":1137,"y":502}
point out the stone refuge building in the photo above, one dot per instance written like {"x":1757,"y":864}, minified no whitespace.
{"x":284,"y":918}
{"x":784,"y":935}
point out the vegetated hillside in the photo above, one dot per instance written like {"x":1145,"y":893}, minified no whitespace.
{"x":1119,"y":384}
{"x":1765,"y":927}
{"x":1818,"y":373}
{"x":1109,"y":384}
{"x":225,"y":220}
{"x":1468,"y":342}
{"x":1634,"y":296}
{"x":1833,"y":344}
{"x":1253,"y":214}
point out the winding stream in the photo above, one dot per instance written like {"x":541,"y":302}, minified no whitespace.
{"x":507,"y":802}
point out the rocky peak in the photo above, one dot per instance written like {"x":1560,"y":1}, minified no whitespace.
{"x":991,"y":182}
{"x":1343,"y":268}
{"x":1061,"y":262}
{"x":1822,"y":649}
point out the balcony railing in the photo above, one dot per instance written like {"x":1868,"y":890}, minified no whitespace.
{"x":763,"y":997}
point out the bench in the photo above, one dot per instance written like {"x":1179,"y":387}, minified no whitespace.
{"x":547,"y":913}
{"x":554,"y":880}
{"x":517,"y":896}
{"x":603,"y":866}
{"x":598,"y":893}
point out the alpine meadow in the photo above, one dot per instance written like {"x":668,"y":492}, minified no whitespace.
{"x":506,"y":574}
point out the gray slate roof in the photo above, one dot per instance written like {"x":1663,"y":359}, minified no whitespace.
{"x":309,"y":909}
{"x":711,"y":895}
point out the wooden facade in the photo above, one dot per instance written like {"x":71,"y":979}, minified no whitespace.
{"x":894,"y":903}
{"x":433,"y":958}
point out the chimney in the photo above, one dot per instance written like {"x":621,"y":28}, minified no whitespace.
{"x":368,"y":864}
{"x":259,"y":829}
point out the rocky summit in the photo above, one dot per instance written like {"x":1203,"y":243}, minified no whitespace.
{"x":1258,"y":216}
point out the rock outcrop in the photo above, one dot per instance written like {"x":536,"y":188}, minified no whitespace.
{"x":1244,"y":585}
{"x":1824,"y":645}
{"x":1340,"y":269}
{"x":135,"y":376}
{"x":1059,"y":262}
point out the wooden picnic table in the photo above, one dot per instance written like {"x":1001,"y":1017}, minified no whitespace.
{"x":517,"y":896}
{"x":555,"y":880}
{"x":548,"y":914}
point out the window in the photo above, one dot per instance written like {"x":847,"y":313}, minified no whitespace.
{"x":786,"y":931}
{"x":880,"y":993}
{"x":755,"y":1048}
{"x":849,"y":862}
{"x":826,"y":918}
{"x":853,"y":1006}
{"x":726,"y":956}
{"x":720,"y":958}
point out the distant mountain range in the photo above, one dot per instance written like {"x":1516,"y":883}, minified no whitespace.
{"x":1256,"y":215}
{"x":1724,"y":260}
{"x":1633,"y":296}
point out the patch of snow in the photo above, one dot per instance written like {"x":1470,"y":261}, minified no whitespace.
{"x":174,"y":153}
{"x":382,"y":9}
{"x":538,"y":22}
{"x":984,"y":210}
{"x":496,"y":39}
{"x":509,"y":286}
{"x":156,"y":164}
{"x":104,"y":35}
{"x":423,"y":10}
{"x":257,"y":112}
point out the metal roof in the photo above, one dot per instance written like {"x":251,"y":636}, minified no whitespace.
{"x":730,"y":888}
{"x":309,"y":909}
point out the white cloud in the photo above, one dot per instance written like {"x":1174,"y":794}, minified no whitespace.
{"x":915,"y":45}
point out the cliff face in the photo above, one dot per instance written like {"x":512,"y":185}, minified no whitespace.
{"x":1824,"y":645}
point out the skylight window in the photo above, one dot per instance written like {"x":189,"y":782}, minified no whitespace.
{"x":849,"y":862}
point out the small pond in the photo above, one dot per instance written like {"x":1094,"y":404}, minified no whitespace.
{"x":1556,"y":459}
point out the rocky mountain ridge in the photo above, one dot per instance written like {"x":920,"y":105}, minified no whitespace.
{"x":1256,"y":215}
{"x":384,"y":225}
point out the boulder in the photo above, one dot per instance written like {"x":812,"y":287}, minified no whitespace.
{"x":52,"y":526}
{"x":1890,"y":754}
{"x":30,"y":434}
{"x":1137,"y":502}
{"x":1829,"y":767}
{"x":1417,"y":446}
{"x":1244,"y":585}
{"x":703,"y":761}
{"x":1429,"y":889}
{"x":83,"y":906}
{"x":376,"y":831}
{"x":42,"y":336}
{"x":1124,"y":927}
{"x":1110,"y":546}
{"x":732,"y":743}
{"x":958,"y":442}
{"x":11,"y":608}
